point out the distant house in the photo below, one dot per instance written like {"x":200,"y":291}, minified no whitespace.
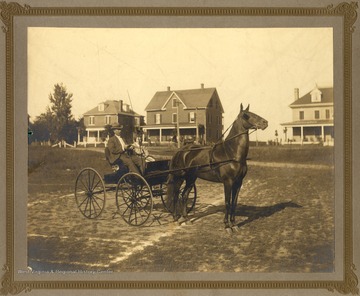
{"x":199,"y":111}
{"x":107,"y":113}
{"x":313,"y":116}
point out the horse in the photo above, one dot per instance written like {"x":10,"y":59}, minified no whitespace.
{"x":223,"y":162}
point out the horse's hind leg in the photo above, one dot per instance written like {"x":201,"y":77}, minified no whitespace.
{"x":185,"y":194}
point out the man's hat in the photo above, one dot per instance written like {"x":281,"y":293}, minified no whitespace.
{"x":116,"y":125}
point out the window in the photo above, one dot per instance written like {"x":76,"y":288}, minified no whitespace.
{"x":316,"y":96}
{"x":192,"y":117}
{"x":301,"y":115}
{"x":101,"y":107}
{"x":157,"y":118}
{"x":107,"y":119}
{"x":327,"y":113}
{"x":91,"y":120}
{"x":174,"y":118}
{"x":317,"y":114}
{"x":174,"y":102}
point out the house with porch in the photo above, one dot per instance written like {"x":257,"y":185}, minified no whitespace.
{"x":107,"y":113}
{"x":195,"y":113}
{"x":313,"y":117}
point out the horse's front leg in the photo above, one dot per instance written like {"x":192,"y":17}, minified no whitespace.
{"x":227,"y":192}
{"x":234,"y":197}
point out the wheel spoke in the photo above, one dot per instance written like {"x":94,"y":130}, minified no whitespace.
{"x":85,"y":187}
{"x":87,"y":202}
{"x":95,"y":212}
{"x":93,"y":181}
{"x":82,"y":201}
{"x":131,"y":210}
{"x":97,"y":184}
{"x":95,"y":202}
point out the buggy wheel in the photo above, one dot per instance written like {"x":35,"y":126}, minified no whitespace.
{"x":90,"y":193}
{"x":134,"y":199}
{"x":190,"y":199}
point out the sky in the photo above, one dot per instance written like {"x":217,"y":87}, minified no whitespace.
{"x":256,"y":66}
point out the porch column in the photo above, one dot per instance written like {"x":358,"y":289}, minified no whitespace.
{"x":87,"y":138}
{"x":160,"y":135}
{"x":98,"y":136}
{"x":322,"y":134}
{"x":302,"y":134}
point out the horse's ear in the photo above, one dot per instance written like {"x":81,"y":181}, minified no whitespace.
{"x":241,"y":107}
{"x":247,"y":109}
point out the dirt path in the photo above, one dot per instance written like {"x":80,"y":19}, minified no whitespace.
{"x":285,"y":219}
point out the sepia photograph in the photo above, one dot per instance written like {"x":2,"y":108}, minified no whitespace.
{"x":148,"y":145}
{"x":189,"y":148}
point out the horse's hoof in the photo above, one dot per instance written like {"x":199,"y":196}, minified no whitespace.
{"x":229,"y":230}
{"x":182,"y":221}
{"x":235,"y":228}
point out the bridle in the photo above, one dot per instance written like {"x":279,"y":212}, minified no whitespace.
{"x":220,"y":141}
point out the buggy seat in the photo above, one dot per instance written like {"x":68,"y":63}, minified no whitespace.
{"x":118,"y":167}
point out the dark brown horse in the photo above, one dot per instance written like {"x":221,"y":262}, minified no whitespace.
{"x":224,"y":162}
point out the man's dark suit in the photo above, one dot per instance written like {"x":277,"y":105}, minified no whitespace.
{"x":133,"y":162}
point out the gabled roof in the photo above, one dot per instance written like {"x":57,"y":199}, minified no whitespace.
{"x":111,"y":107}
{"x":191,"y":98}
{"x":326,"y":97}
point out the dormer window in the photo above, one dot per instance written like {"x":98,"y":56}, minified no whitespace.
{"x":101,"y":107}
{"x":316,"y":96}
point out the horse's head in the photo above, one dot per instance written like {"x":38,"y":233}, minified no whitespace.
{"x":250,"y":120}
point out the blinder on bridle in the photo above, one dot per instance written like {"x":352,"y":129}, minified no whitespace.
{"x":245,"y":116}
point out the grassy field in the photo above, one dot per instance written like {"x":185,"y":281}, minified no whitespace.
{"x":287,"y":154}
{"x":58,"y":167}
{"x":55,"y":169}
{"x":293,"y":154}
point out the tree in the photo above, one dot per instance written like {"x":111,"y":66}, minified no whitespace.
{"x":42,"y":126}
{"x":63,"y":122}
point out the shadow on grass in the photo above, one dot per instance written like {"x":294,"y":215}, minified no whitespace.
{"x":251,"y":212}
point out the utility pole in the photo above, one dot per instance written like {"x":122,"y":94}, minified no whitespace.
{"x":177,"y":124}
{"x":197,"y":126}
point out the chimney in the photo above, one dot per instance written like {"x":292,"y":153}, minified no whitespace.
{"x":120,"y":106}
{"x":202,"y":85}
{"x":168,"y":88}
{"x":296,"y":94}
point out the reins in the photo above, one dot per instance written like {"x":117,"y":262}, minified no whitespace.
{"x":212,"y":165}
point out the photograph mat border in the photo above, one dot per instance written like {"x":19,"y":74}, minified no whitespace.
{"x":347,"y":11}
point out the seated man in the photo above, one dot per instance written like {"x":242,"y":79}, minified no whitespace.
{"x":117,"y":150}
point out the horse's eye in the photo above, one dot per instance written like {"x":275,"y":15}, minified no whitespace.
{"x":245,"y":116}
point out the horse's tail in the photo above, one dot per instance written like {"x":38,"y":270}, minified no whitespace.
{"x":171,"y":196}
{"x":172,"y":186}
